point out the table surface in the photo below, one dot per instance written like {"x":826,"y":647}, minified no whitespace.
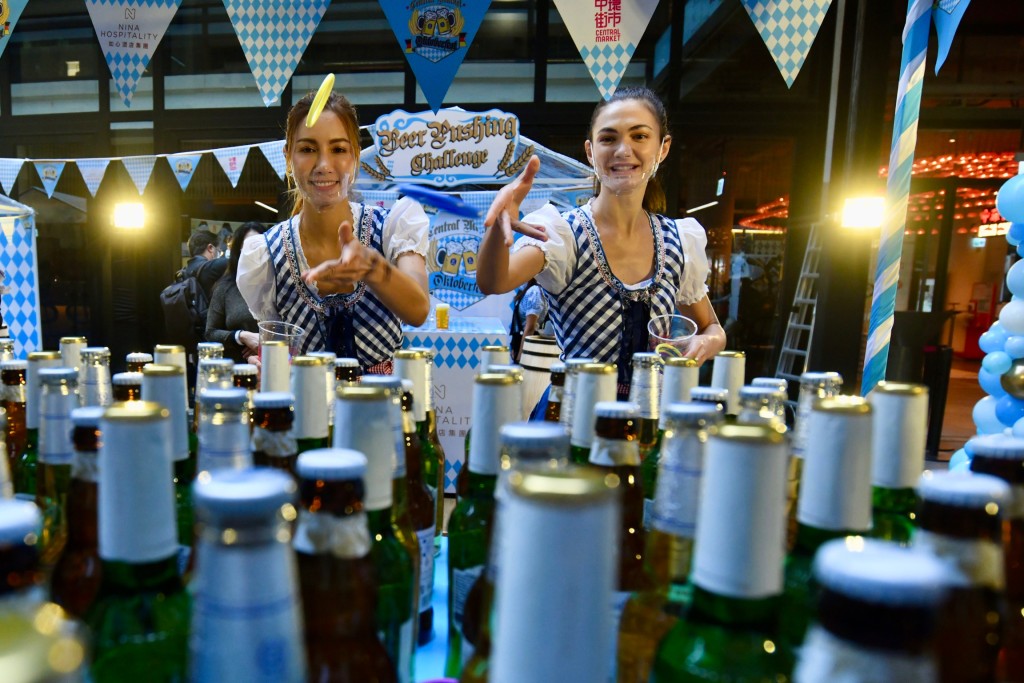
{"x":461,"y":325}
{"x":430,"y":658}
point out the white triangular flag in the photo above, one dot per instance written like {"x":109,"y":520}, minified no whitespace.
{"x":140,"y":169}
{"x":274,"y":153}
{"x":92,"y":171}
{"x":232,"y":159}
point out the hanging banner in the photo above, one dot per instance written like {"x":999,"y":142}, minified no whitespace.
{"x":19,"y":292}
{"x":140,"y":169}
{"x":788,"y":28}
{"x":273,"y":35}
{"x":184,"y":167}
{"x":435,"y":36}
{"x":10,"y":12}
{"x":946,"y":15}
{"x":92,"y":171}
{"x":606,"y":33}
{"x":232,"y":159}
{"x":273,"y":152}
{"x":129,"y":31}
{"x":9,"y":169}
{"x":49,"y":172}
{"x":451,"y":259}
{"x":449,"y":147}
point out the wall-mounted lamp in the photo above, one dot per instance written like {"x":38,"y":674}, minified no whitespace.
{"x":863,"y":213}
{"x":129,"y":215}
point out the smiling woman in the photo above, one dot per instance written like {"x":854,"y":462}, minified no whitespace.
{"x":348,"y":274}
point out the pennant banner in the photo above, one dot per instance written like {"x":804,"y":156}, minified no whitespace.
{"x":129,"y":31}
{"x":273,"y":35}
{"x":788,"y":28}
{"x":606,"y":33}
{"x":9,"y":169}
{"x":273,"y":152}
{"x":10,"y":12}
{"x":49,"y":172}
{"x":20,"y":291}
{"x":946,"y":15}
{"x":140,"y":169}
{"x":232,"y":159}
{"x":184,"y":167}
{"x":435,"y":36}
{"x":92,"y":171}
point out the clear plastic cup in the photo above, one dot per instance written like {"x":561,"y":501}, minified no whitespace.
{"x":670,"y":334}
{"x":276,"y":331}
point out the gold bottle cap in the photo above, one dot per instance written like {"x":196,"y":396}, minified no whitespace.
{"x":496,"y":378}
{"x":902,"y":388}
{"x":571,"y":486}
{"x":410,"y":354}
{"x":364,"y":393}
{"x":732,"y":354}
{"x":73,"y":340}
{"x":681,"y":362}
{"x":751,"y":433}
{"x":848,"y":405}
{"x":168,"y":348}
{"x":160,"y":370}
{"x":309,"y":361}
{"x":37,"y":356}
{"x":598,"y":369}
{"x":135,"y":411}
{"x":494,"y":347}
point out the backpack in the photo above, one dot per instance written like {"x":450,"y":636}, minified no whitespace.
{"x":516,"y":328}
{"x":184,"y":303}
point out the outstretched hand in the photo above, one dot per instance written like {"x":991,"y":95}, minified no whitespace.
{"x":505,"y":208}
{"x":355,"y":263}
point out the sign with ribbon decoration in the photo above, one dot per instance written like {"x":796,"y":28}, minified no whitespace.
{"x":92,"y":171}
{"x":9,"y":169}
{"x":449,"y":147}
{"x":184,"y":167}
{"x":606,"y":33}
{"x":232,"y":160}
{"x":129,"y":31}
{"x":273,"y":152}
{"x":274,"y":35}
{"x":49,"y":172}
{"x":140,"y":169}
{"x":435,"y":36}
{"x":788,"y":28}
{"x":10,"y":12}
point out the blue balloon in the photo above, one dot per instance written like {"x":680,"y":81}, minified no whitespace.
{"x":992,"y":341}
{"x":997,"y":363}
{"x":962,"y":467}
{"x":1014,"y":346}
{"x":991,"y":383}
{"x":1015,"y":278}
{"x":984,"y":415}
{"x":1013,"y":240}
{"x":1010,"y":199}
{"x":959,"y":457}
{"x":1012,"y":316}
{"x":1009,"y":410}
{"x":1016,"y":231}
{"x":1018,"y":428}
{"x":969,"y":448}
{"x":1020,"y":250}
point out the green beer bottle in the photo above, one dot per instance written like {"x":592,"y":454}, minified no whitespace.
{"x":28,"y":460}
{"x":595,"y":382}
{"x":58,"y":397}
{"x":330,"y":385}
{"x":572,"y":369}
{"x":308,"y":386}
{"x":814,"y":386}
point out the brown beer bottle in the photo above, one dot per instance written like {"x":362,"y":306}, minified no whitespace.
{"x":136,"y":360}
{"x":127,"y":386}
{"x":12,"y":373}
{"x":337,"y":577}
{"x":553,"y":412}
{"x":273,"y":442}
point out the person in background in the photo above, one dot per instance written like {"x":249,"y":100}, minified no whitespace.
{"x":207,"y":263}
{"x":228,"y":319}
{"x":611,"y":265}
{"x":349,"y":274}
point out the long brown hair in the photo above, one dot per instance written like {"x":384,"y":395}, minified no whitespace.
{"x":654,"y":195}
{"x":344,"y":110}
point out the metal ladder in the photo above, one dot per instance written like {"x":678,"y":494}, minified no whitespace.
{"x":797,"y":342}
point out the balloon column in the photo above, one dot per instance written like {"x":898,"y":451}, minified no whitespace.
{"x":1002,"y":369}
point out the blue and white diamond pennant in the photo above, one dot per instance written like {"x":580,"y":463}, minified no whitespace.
{"x":140,"y":169}
{"x":273,"y":35}
{"x":184,"y":167}
{"x":9,"y":169}
{"x":232,"y":159}
{"x":20,"y":297}
{"x":92,"y":171}
{"x":606,"y":33}
{"x":10,"y":12}
{"x":273,"y":152}
{"x":49,"y":172}
{"x":788,"y":28}
{"x":128,"y":32}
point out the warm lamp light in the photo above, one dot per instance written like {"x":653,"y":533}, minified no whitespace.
{"x":129,"y":215}
{"x":863,"y":213}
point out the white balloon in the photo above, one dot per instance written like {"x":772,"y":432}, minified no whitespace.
{"x":984,"y":415}
{"x":1012,"y":317}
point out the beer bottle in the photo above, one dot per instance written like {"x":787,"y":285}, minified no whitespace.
{"x":71,"y":352}
{"x":595,"y":382}
{"x":6,"y":349}
{"x":331,"y":385}
{"x":58,"y":397}
{"x":959,"y":521}
{"x":307,"y":385}
{"x":136,"y":360}
{"x":140,"y":618}
{"x":126,"y":386}
{"x":1002,"y":456}
{"x":645,"y":392}
{"x":209,"y":350}
{"x":246,"y":376}
{"x":246,"y":621}
{"x":275,"y":369}
{"x":761,"y":405}
{"x":28,"y":459}
{"x":174,"y":354}
{"x":94,"y":386}
{"x":213,"y":373}
{"x":6,"y":479}
{"x":338,"y":577}
{"x":712,"y":396}
{"x":727,"y":372}
{"x":12,"y":373}
{"x":413,"y":537}
{"x":346,"y":373}
{"x":649,"y":614}
{"x":273,"y":441}
{"x":39,"y":642}
{"x":493,"y":354}
{"x":835,"y":498}
{"x":169,"y":354}
{"x":678,"y":378}
{"x":494,"y":405}
{"x":554,"y":408}
{"x":516,"y":373}
{"x":730,"y":630}
{"x":166,"y":385}
{"x":557,"y":577}
{"x":771,"y":382}
{"x":900,"y":427}
{"x":434,"y":439}
{"x":877,"y":611}
{"x":76,"y":576}
{"x":813,"y":387}
{"x":572,"y":369}
{"x":364,"y":424}
{"x":223,"y":430}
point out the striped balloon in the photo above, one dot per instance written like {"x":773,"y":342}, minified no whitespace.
{"x":901,"y":161}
